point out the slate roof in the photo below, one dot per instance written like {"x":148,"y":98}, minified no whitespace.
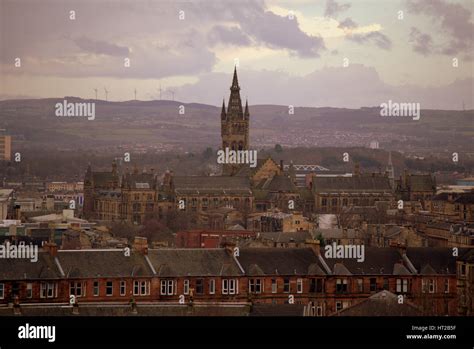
{"x":203,"y":184}
{"x":347,"y":184}
{"x":18,"y":269}
{"x":139,"y":180}
{"x":103,"y":178}
{"x":433,"y":260}
{"x":467,"y":255}
{"x":102,"y":263}
{"x":247,"y":171}
{"x":279,"y":261}
{"x":378,"y":261}
{"x":281,"y":237}
{"x":277,"y":184}
{"x":421,"y":182}
{"x":383,"y":303}
{"x":465,"y":199}
{"x":193,"y":262}
{"x":335,"y":233}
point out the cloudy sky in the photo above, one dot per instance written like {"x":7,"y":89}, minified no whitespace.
{"x":336,"y":53}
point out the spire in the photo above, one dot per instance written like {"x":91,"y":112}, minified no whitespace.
{"x":235,"y":81}
{"x":234,"y":107}
{"x":223,"y":114}
{"x":246,"y":113}
{"x":390,"y":158}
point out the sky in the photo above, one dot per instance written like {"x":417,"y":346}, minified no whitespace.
{"x":318,"y":53}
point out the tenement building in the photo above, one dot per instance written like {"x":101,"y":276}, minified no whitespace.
{"x":188,"y":278}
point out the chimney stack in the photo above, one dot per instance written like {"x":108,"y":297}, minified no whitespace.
{"x":140,"y":244}
{"x":314,"y":245}
{"x":51,"y":248}
{"x":229,"y":247}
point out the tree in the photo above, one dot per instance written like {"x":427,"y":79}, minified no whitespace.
{"x":278,"y":148}
{"x":207,"y":154}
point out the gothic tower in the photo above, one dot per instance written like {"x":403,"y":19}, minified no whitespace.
{"x":234,"y":125}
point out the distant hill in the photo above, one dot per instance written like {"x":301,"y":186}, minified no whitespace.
{"x":158,"y":123}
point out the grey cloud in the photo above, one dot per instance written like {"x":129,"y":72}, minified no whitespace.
{"x":281,"y":32}
{"x":333,"y":8}
{"x":347,"y":23}
{"x":454,"y":20}
{"x":377,"y":38}
{"x":226,"y":35}
{"x":101,"y":47}
{"x":422,"y":42}
{"x":352,"y":87}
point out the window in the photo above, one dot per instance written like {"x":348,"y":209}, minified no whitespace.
{"x":136,"y":288}
{"x":48,"y":290}
{"x":286,"y":285}
{"x":338,"y":306}
{"x":373,"y":284}
{"x":255,"y":285}
{"x":446,"y":285}
{"x":2,"y":291}
{"x":345,"y":202}
{"x":212,"y":286}
{"x":334,"y":202}
{"x":341,"y":285}
{"x":385,"y":284}
{"x":167,"y":287}
{"x":123,"y":288}
{"x":432,"y":286}
{"x":324,"y":202}
{"x":200,"y":286}
{"x":229,"y":286}
{"x":402,"y":285}
{"x":109,"y":288}
{"x":96,"y":288}
{"x":319,"y":310}
{"x":141,"y":288}
{"x":186,"y":287}
{"x":360,"y":285}
{"x":428,"y":285}
{"x":316,"y":286}
{"x":299,"y":286}
{"x":463,"y":269}
{"x":76,"y":289}
{"x":29,"y":290}
{"x":274,"y":286}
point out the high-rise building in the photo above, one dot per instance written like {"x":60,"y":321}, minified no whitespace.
{"x":5,"y":146}
{"x":234,"y":125}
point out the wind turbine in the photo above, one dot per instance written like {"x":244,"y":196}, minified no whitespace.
{"x":135,"y":91}
{"x":106,"y":93}
{"x":172,"y":93}
{"x":160,"y":91}
{"x":95,"y":93}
